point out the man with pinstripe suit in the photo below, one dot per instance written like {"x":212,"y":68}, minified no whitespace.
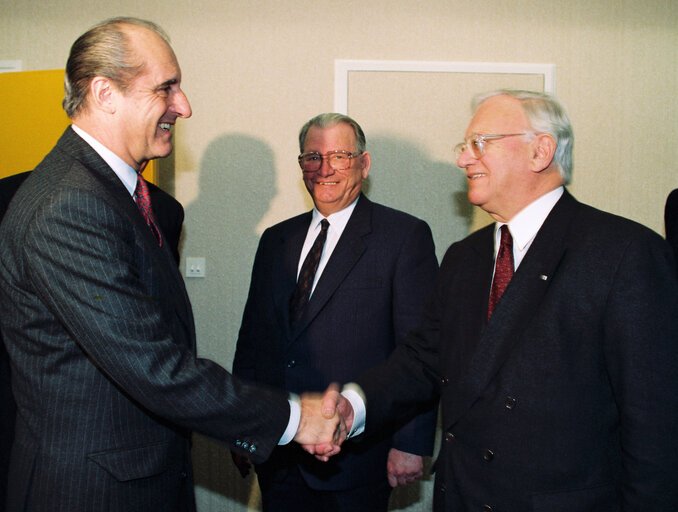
{"x":170,"y":217}
{"x":95,"y":316}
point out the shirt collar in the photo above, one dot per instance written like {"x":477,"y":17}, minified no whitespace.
{"x":337,"y":220}
{"x":525,"y":225}
{"x":123,"y":170}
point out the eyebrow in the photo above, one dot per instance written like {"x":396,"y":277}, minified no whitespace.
{"x":171,"y":81}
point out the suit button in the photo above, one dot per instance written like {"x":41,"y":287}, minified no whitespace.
{"x":488,"y":455}
{"x":487,"y":508}
{"x":510,"y":402}
{"x":291,"y":363}
{"x":238,"y":443}
{"x":449,"y":437}
{"x":444,"y":381}
{"x":442,"y":488}
{"x":253,"y":448}
{"x":183,"y":475}
{"x":245,"y":445}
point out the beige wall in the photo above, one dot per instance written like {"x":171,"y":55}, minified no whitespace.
{"x":255,"y":71}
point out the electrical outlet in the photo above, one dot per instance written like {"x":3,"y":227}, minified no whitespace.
{"x":195,"y":267}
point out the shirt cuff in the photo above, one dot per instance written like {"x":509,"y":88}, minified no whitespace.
{"x":293,"y":423}
{"x":354,"y":394}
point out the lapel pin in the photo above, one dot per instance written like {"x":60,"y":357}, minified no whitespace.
{"x":543,"y":277}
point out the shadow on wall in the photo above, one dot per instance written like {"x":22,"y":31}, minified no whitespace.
{"x":237,"y":184}
{"x":404,"y":177}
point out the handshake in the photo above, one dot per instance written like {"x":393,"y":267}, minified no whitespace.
{"x":325,"y":423}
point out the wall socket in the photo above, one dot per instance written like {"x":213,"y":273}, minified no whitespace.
{"x":195,"y":267}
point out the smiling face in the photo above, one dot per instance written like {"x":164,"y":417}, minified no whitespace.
{"x":149,"y":107}
{"x":502,"y":181}
{"x":332,"y":191}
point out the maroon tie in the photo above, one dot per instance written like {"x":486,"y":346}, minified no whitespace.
{"x":143,"y":200}
{"x":503,"y":269}
{"x":307,"y":275}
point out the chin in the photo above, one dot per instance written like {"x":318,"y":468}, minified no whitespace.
{"x":162,"y":152}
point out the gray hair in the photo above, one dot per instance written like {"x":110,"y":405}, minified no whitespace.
{"x":546,"y":115}
{"x":328,"y":120}
{"x":103,"y":50}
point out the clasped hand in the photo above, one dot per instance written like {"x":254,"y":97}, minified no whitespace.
{"x":325,"y":422}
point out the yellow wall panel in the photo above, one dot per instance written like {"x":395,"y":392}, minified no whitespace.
{"x":33,"y":119}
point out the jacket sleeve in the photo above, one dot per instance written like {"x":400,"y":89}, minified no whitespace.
{"x":641,"y":348}
{"x":413,"y":282}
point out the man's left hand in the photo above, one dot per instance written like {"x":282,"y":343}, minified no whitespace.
{"x":403,"y":468}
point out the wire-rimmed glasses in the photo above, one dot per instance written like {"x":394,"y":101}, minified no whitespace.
{"x":476,"y":143}
{"x":337,"y":160}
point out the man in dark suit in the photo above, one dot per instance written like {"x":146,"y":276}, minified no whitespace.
{"x":170,"y":216}
{"x":375,"y":273}
{"x":565,"y":399}
{"x":95,"y":315}
{"x":8,"y":186}
{"x":671,"y":221}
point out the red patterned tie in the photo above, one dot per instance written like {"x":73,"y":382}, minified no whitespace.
{"x":143,"y":200}
{"x":503,"y":269}
{"x":307,"y":275}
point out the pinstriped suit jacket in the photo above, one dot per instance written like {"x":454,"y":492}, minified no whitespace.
{"x":170,"y":216}
{"x":101,"y":339}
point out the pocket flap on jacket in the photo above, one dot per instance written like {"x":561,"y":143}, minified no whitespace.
{"x":133,"y":463}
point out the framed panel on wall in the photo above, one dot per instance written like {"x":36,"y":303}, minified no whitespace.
{"x":413,"y":113}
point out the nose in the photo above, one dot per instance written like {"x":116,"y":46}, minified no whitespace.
{"x":465,"y":158}
{"x":181,"y":106}
{"x":325,"y":169}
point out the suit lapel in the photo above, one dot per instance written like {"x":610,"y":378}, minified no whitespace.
{"x":348,"y":251}
{"x":475,"y":281}
{"x":291,"y":243}
{"x":517,"y":307}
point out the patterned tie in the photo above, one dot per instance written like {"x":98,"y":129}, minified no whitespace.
{"x":307,"y":274}
{"x":143,"y":200}
{"x":503,"y":269}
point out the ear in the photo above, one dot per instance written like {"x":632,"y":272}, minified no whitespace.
{"x":103,"y":94}
{"x":366,"y":160}
{"x":543,"y":151}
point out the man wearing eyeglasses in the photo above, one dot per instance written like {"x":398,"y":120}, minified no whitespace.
{"x":558,"y":388}
{"x":308,"y":324}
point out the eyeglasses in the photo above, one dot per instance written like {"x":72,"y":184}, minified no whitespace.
{"x":337,"y":160}
{"x":476,"y":143}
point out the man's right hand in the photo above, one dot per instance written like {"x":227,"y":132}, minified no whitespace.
{"x":333,"y":403}
{"x":320,"y":429}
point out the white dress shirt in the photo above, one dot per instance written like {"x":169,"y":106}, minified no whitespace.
{"x":338,"y":221}
{"x":124,"y":171}
{"x":525,"y":225}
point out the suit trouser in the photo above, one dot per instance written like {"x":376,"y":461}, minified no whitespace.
{"x":293,"y":494}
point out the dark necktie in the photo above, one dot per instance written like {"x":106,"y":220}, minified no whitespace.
{"x":307,"y":274}
{"x":503,"y":269}
{"x":143,"y":200}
